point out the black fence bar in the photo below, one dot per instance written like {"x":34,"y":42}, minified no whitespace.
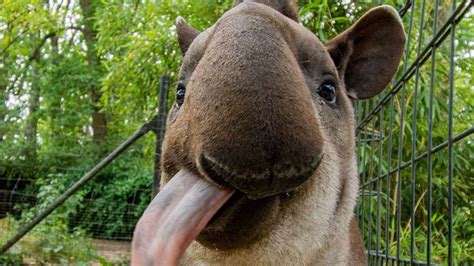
{"x":414,"y":137}
{"x":159,"y":130}
{"x":430,"y":141}
{"x":79,"y":184}
{"x":400,"y":137}
{"x":404,"y":10}
{"x":379,"y":188}
{"x":369,"y":222}
{"x":364,"y":159}
{"x":450,"y":143}
{"x":390,"y":140}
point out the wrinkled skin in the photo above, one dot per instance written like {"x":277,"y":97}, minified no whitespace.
{"x":267,"y":122}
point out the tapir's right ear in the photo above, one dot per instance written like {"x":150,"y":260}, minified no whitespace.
{"x":367,"y":54}
{"x":186,"y":34}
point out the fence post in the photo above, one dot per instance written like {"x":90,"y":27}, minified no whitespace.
{"x":159,"y":130}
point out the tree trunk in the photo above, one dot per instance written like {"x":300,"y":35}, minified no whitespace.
{"x":3,"y":90}
{"x":31,"y":128}
{"x":55,"y":110}
{"x":99,"y":119}
{"x":3,"y":98}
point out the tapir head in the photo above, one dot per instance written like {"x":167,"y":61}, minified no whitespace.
{"x":263,"y":110}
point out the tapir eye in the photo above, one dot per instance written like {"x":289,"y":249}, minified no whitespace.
{"x":328,"y":92}
{"x":180,"y":92}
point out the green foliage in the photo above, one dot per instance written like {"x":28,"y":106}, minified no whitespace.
{"x":140,"y":44}
{"x":374,"y":150}
{"x":327,"y":18}
{"x":51,"y":241}
{"x":126,"y":182}
{"x":44,"y":52}
{"x":11,"y":259}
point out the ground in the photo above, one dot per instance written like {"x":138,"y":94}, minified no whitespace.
{"x":113,"y":250}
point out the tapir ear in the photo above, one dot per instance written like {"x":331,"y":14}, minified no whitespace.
{"x":367,"y":54}
{"x":286,"y":7}
{"x":186,"y":34}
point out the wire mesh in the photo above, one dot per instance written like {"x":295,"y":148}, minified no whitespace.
{"x":414,"y":145}
{"x":95,"y":210}
{"x":37,"y":206}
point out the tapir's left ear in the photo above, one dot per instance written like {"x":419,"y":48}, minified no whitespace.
{"x":186,"y":34}
{"x":367,"y":54}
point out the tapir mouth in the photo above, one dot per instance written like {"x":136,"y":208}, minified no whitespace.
{"x":226,"y":209}
{"x":186,"y":206}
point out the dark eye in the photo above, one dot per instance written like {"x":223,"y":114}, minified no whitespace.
{"x":180,"y":92}
{"x":328,"y":92}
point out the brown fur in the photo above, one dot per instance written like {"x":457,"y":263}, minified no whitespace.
{"x":252,"y":119}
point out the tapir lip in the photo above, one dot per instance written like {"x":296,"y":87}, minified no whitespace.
{"x":209,"y":172}
{"x":264,"y":187}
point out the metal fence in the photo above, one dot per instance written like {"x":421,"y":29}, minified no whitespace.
{"x":415,"y":146}
{"x":104,"y":219}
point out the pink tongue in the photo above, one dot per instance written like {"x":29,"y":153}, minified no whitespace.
{"x":174,"y":218}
